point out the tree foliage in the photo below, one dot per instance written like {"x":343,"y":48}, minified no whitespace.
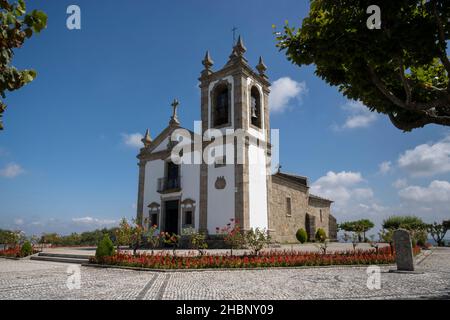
{"x":401,"y":70}
{"x":438,"y":232}
{"x":359,"y":227}
{"x":15,"y":27}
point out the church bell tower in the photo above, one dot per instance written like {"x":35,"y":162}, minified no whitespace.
{"x":235,"y":101}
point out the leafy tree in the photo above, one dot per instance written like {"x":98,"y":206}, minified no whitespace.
{"x":15,"y":26}
{"x":438,"y":232}
{"x":360,"y":227}
{"x":232,"y":235}
{"x":416,"y":227}
{"x":257,"y":239}
{"x":123,"y":234}
{"x":401,"y":70}
{"x":105,"y":248}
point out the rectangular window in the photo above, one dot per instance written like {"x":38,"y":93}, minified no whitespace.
{"x":153,"y":219}
{"x":321,"y":217}
{"x":288,"y":207}
{"x":188,"y":218}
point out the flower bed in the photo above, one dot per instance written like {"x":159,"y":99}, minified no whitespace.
{"x":14,"y":252}
{"x":265,"y":259}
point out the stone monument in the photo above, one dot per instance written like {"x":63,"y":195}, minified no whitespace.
{"x":403,"y":250}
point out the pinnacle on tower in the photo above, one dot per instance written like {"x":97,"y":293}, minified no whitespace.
{"x":146,"y":140}
{"x":239,"y":49}
{"x":207,"y":62}
{"x":261,"y":67}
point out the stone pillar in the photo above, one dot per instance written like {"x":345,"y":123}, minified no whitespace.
{"x":403,"y":250}
{"x":140,"y":200}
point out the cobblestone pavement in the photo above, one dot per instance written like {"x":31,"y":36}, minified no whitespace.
{"x":28,"y":279}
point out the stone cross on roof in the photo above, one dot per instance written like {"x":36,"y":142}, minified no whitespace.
{"x":174,"y":118}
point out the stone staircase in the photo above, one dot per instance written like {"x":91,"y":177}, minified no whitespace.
{"x":61,"y":257}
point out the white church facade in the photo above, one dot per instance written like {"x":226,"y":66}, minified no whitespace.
{"x":235,"y":181}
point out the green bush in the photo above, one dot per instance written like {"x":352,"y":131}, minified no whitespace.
{"x":321,"y":236}
{"x":26,"y":249}
{"x":105,"y":248}
{"x":301,"y":235}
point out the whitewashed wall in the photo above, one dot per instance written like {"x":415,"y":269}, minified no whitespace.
{"x":220,"y":202}
{"x":257,"y":188}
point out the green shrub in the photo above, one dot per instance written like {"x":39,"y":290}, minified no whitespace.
{"x":105,"y":248}
{"x":26,"y":249}
{"x":321,"y":236}
{"x":301,"y":235}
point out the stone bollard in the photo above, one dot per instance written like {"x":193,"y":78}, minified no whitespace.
{"x":403,"y":250}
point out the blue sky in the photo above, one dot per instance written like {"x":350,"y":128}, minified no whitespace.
{"x":67,"y":155}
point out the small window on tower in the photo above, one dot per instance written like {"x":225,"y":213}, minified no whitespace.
{"x":221,"y":107}
{"x":188,"y":218}
{"x":255,"y":107}
{"x":321,"y":217}
{"x":153,"y":219}
{"x":288,"y":207}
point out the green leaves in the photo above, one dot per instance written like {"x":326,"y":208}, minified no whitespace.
{"x":16,"y":26}
{"x":369,"y":65}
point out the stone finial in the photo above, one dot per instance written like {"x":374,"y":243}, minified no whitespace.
{"x":207,"y":61}
{"x":261,"y":67}
{"x":238,"y":51}
{"x":174,"y":117}
{"x":239,"y":47}
{"x":146,"y":140}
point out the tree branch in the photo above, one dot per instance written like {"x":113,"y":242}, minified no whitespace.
{"x":404,"y":80}
{"x":443,"y":101}
{"x":442,"y":43}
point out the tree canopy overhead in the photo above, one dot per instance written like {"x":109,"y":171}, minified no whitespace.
{"x":15,"y":27}
{"x":401,"y":69}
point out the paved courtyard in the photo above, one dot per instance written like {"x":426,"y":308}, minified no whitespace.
{"x":27,"y":279}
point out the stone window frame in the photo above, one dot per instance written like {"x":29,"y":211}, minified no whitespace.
{"x":259,"y":126}
{"x":251,"y":83}
{"x":288,"y":207}
{"x":154,"y":208}
{"x":213,"y":95}
{"x":188,"y":205}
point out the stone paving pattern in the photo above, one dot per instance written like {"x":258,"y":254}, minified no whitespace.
{"x":27,"y":279}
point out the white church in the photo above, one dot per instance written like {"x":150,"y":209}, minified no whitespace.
{"x":231,"y":179}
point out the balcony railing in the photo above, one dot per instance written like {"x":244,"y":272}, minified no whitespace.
{"x":168,"y":185}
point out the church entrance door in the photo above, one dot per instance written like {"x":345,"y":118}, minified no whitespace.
{"x":171,"y":216}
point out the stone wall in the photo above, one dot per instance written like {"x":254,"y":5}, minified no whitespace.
{"x":282,"y":226}
{"x":316,"y":207}
{"x":307,"y":212}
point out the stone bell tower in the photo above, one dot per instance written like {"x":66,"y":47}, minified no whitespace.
{"x":237,"y":185}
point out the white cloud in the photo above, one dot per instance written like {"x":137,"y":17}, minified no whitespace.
{"x":18,"y":222}
{"x":385,"y":167}
{"x":427,"y":159}
{"x":400,"y":183}
{"x":283,"y":91}
{"x":132,"y":140}
{"x":437,"y":191}
{"x":93,"y":221}
{"x":340,"y":187}
{"x":359,"y":116}
{"x":11,"y":170}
